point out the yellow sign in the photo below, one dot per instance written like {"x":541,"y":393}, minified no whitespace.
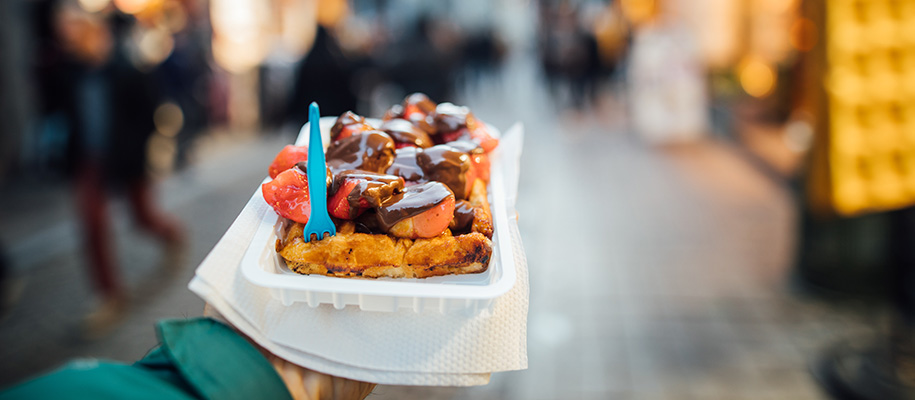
{"x":870,"y":86}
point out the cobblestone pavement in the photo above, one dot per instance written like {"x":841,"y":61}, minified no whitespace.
{"x":656,"y":273}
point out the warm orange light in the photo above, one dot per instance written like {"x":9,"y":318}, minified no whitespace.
{"x":779,"y":6}
{"x":131,"y":6}
{"x":331,"y":12}
{"x":639,"y":11}
{"x":241,"y":31}
{"x":173,"y":17}
{"x":803,"y":34}
{"x":756,"y":77}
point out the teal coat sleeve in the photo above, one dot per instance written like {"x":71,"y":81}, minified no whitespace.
{"x":196,"y":359}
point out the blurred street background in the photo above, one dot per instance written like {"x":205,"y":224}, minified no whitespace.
{"x":715,"y":195}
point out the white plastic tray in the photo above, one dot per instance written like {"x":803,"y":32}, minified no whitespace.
{"x":472,"y":292}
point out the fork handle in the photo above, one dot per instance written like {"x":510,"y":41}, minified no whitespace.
{"x":317,"y":167}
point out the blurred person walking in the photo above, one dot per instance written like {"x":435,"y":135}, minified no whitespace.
{"x":109,"y":106}
{"x":325,"y":75}
{"x":569,"y":55}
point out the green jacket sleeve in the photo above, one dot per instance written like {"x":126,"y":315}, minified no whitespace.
{"x":198,"y":358}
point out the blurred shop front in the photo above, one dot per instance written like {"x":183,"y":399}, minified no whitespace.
{"x":820,"y":94}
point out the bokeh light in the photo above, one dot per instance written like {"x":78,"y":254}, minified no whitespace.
{"x":153,"y":46}
{"x":240,"y":33}
{"x":132,"y":6}
{"x":803,"y":34}
{"x":168,"y":119}
{"x":639,"y":11}
{"x":94,"y":5}
{"x":756,"y":77}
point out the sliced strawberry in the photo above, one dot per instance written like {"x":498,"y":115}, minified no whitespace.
{"x":470,"y":177}
{"x":350,"y":130}
{"x":348,"y":124}
{"x":417,"y":103}
{"x":481,"y":165}
{"x":453,"y":136}
{"x":421,"y":211}
{"x":410,"y":109}
{"x":480,"y":134}
{"x":287,"y":158}
{"x":427,"y":224}
{"x":288,"y":195}
{"x":338,"y":205}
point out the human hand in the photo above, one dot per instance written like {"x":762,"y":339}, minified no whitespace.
{"x":303,"y":383}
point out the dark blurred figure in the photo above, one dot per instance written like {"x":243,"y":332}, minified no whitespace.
{"x":576,"y":57}
{"x":568,"y":52}
{"x":613,"y":37}
{"x":184,"y":79}
{"x":483,"y":53}
{"x":324,"y":76}
{"x":426,"y":59}
{"x":108,"y":104}
{"x":7,"y":297}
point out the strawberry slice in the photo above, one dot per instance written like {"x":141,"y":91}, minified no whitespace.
{"x":421,"y":211}
{"x":417,"y":103}
{"x":480,"y":134}
{"x":348,"y":124}
{"x":339,"y":206}
{"x":480,"y":163}
{"x":453,"y":136}
{"x":288,"y":195}
{"x":350,"y":130}
{"x":287,"y":158}
{"x":427,"y":224}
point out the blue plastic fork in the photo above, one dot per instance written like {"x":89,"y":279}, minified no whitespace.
{"x":319,"y":223}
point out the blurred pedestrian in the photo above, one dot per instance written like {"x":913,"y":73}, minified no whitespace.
{"x":325,"y":75}
{"x":426,"y":59}
{"x":569,"y":54}
{"x":109,"y":105}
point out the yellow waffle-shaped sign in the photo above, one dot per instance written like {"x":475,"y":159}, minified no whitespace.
{"x":870,"y":86}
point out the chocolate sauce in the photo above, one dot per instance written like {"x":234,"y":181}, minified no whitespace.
{"x":463,"y":217}
{"x":403,"y":131}
{"x":467,"y":146}
{"x":421,"y":102}
{"x":396,"y":111}
{"x":303,"y":166}
{"x":367,"y":222}
{"x":370,"y":150}
{"x":448,"y":165}
{"x":449,"y":118}
{"x":372,"y":187}
{"x":413,"y":201}
{"x":405,"y":164}
{"x":424,"y":122}
{"x":416,"y":108}
{"x":348,"y":120}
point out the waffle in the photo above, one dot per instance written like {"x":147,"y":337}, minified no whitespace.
{"x":353,"y":254}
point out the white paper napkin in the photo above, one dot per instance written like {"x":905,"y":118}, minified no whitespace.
{"x":404,"y":347}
